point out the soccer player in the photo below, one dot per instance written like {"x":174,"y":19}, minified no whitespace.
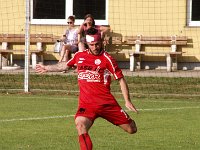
{"x":95,"y":100}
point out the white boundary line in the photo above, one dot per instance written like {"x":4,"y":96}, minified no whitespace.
{"x":36,"y":118}
{"x":43,"y":97}
{"x":119,"y":100}
{"x":76,"y":98}
{"x":175,"y":108}
{"x":67,"y":116}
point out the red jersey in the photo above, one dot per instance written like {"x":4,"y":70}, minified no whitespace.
{"x":94,"y":77}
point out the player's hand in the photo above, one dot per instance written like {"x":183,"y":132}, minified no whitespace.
{"x":40,"y":68}
{"x":130,"y":106}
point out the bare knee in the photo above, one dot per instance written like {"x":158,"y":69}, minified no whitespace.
{"x":83,"y":125}
{"x":133,"y":127}
{"x":130,"y":128}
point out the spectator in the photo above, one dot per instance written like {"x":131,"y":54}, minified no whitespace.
{"x":70,"y":40}
{"x":95,"y":99}
{"x":87,"y":24}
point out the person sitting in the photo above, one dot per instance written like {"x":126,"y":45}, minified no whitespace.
{"x":88,"y":23}
{"x":70,"y":40}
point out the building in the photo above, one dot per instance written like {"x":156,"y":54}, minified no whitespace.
{"x":125,"y":17}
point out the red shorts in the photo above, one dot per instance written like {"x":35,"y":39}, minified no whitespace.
{"x":112,"y":113}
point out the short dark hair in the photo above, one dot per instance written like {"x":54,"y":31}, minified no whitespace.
{"x":71,"y":18}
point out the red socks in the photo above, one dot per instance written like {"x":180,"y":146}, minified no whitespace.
{"x":85,"y":142}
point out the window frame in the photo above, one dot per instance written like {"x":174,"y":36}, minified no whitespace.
{"x":69,"y":12}
{"x":189,"y":16}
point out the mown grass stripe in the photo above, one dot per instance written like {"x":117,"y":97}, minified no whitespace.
{"x":67,"y":116}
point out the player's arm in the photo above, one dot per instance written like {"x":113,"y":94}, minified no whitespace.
{"x":51,"y":68}
{"x":126,"y":95}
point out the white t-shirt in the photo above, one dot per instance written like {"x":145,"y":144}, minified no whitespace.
{"x":71,"y":36}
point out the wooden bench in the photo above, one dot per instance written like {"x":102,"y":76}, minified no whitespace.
{"x":136,"y":42}
{"x":6,"y":53}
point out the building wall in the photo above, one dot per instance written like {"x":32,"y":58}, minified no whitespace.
{"x":155,"y":18}
{"x":126,"y":17}
{"x":12,"y":16}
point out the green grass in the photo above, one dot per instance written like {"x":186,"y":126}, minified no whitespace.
{"x":162,"y":124}
{"x":140,"y":86}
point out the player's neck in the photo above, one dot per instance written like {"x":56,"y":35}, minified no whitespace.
{"x":96,"y":54}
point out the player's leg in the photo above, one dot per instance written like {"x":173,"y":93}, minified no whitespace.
{"x":83,"y":125}
{"x":117,"y":116}
{"x":130,"y":127}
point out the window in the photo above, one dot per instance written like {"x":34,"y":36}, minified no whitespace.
{"x":193,"y":13}
{"x":56,"y":12}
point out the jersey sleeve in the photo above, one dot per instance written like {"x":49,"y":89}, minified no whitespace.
{"x":72,"y":61}
{"x":114,"y":68}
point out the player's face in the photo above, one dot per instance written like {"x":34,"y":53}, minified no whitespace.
{"x":95,"y":47}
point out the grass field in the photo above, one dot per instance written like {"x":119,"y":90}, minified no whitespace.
{"x":141,"y":86}
{"x":46,"y":123}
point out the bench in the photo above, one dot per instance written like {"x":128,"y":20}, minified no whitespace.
{"x":6,"y":53}
{"x":136,"y":42}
